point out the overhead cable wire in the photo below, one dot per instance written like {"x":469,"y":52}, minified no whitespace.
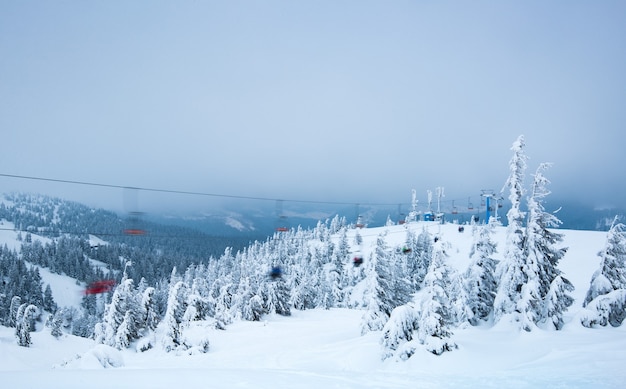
{"x":201,"y":235}
{"x":193,"y":193}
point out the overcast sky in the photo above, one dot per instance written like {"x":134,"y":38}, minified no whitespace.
{"x":355,"y":101}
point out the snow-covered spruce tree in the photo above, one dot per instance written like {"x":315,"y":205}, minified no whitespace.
{"x":16,"y":302}
{"x":127,"y":331}
{"x":510,"y":271}
{"x":176,"y":307}
{"x":149,"y":315}
{"x":558,"y":301}
{"x":48,"y":300}
{"x":21,"y":331}
{"x":423,"y":256}
{"x":399,"y":333}
{"x":334,"y":279}
{"x":480,"y":281}
{"x":195,"y":308}
{"x":545,"y":295}
{"x":402,"y":282}
{"x":609,"y":308}
{"x":303,"y":281}
{"x":327,"y":276}
{"x":123,"y":300}
{"x":414,"y":269}
{"x":379,"y":294}
{"x":56,"y":324}
{"x":246,"y":304}
{"x":276,"y":297}
{"x":223,"y":302}
{"x":462,"y":314}
{"x":274,"y":290}
{"x":611,"y":275}
{"x":606,"y":297}
{"x":24,"y":324}
{"x":436,"y":319}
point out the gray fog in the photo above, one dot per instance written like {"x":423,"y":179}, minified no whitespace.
{"x":350,"y":101}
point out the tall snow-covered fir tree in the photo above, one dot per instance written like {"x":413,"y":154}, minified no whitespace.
{"x":275,"y":295}
{"x":123,"y":300}
{"x":334,"y":279}
{"x":418,"y":257}
{"x":544,"y":297}
{"x":176,"y":307}
{"x":437,"y":316}
{"x":379,"y":292}
{"x":16,"y":302}
{"x":149,"y":315}
{"x":480,"y":281}
{"x":25,"y":324}
{"x":510,"y":272}
{"x":606,"y":298}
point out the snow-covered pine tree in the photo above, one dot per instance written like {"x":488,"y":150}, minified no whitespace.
{"x":558,"y":301}
{"x":194,"y":311}
{"x":611,"y":275}
{"x":127,"y":331}
{"x":149,"y":315}
{"x":510,"y":271}
{"x":401,"y":280}
{"x":56,"y":324}
{"x":542,"y":259}
{"x":25,"y":324}
{"x":327,"y":275}
{"x":121,"y":302}
{"x":379,"y":288}
{"x":176,"y":307}
{"x":334,"y":274}
{"x":276,"y":297}
{"x":414,"y":269}
{"x":480,"y":281}
{"x":462,"y":314}
{"x":16,"y":302}
{"x":246,"y":304}
{"x":48,"y":300}
{"x":609,"y":308}
{"x":223,"y":314}
{"x":22,"y":333}
{"x":343,"y":256}
{"x":606,"y":297}
{"x":399,"y":332}
{"x":436,"y":319}
{"x":304,"y":280}
{"x":423,"y":254}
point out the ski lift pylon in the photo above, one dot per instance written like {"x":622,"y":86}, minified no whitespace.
{"x":281,"y":219}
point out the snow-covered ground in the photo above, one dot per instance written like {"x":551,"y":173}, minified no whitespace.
{"x":324,"y":348}
{"x":318,"y":348}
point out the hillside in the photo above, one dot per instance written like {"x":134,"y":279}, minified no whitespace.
{"x":317,"y":347}
{"x":155,"y":252}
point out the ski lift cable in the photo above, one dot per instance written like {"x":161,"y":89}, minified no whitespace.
{"x":114,"y":234}
{"x":204,"y":194}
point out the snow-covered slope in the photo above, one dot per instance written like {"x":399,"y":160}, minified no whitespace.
{"x":319,"y":348}
{"x":324,"y":348}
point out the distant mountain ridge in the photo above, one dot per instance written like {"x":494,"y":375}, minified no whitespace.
{"x":262,"y":220}
{"x":249,"y":222}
